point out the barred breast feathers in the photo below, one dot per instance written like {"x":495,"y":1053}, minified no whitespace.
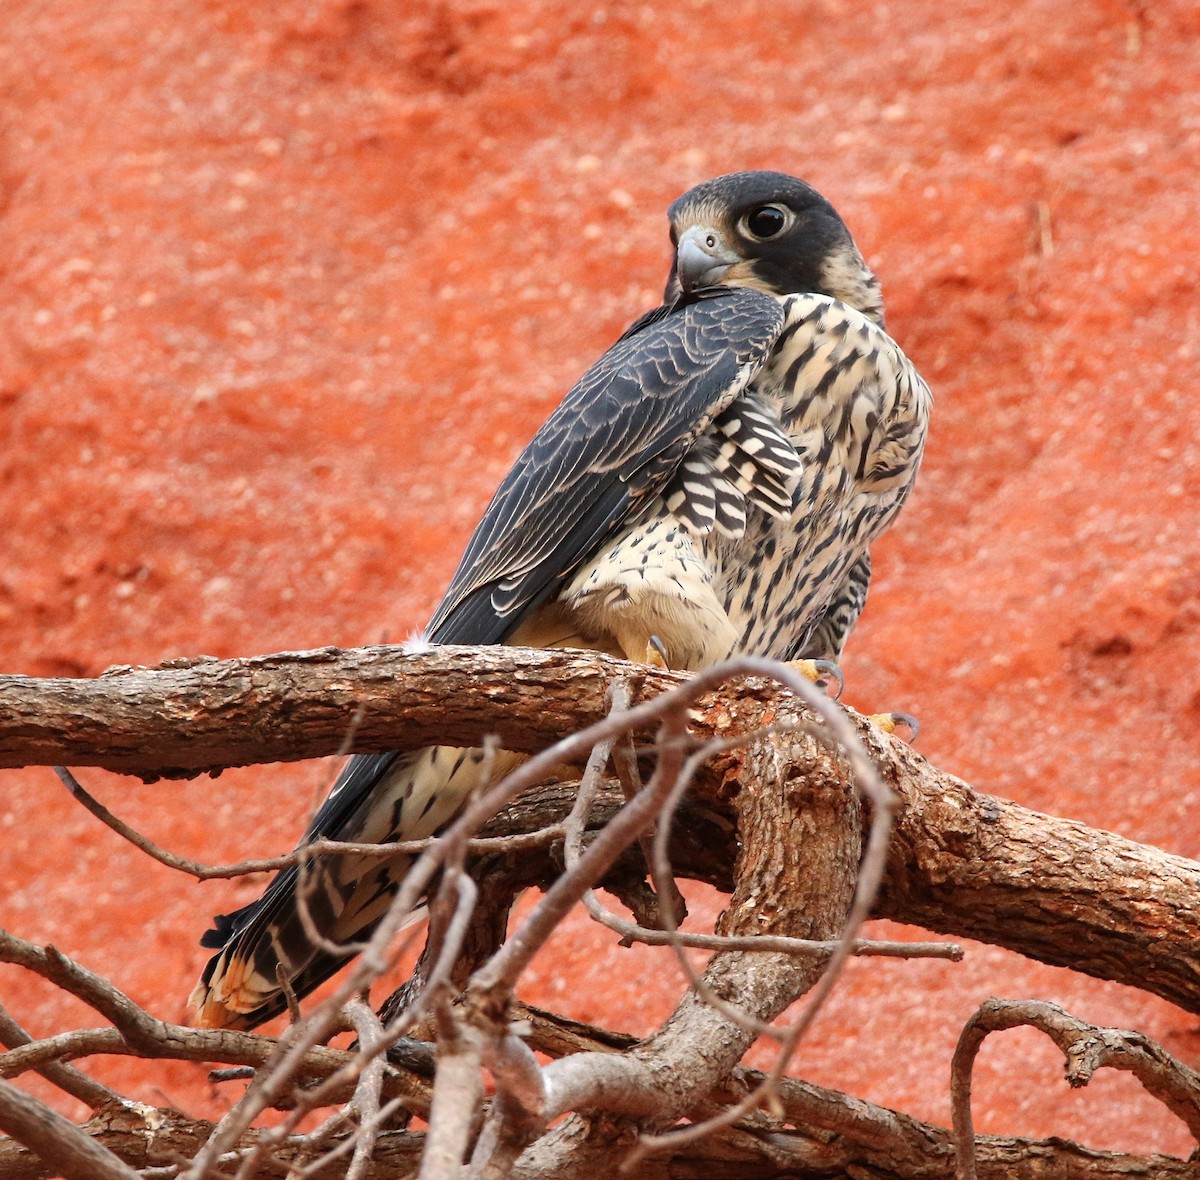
{"x":836,"y":374}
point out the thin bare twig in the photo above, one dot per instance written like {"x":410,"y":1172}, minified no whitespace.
{"x":660,"y":870}
{"x":137,"y":1027}
{"x":367,"y":1094}
{"x":297,"y":856}
{"x":576,"y":822}
{"x":322,"y":1162}
{"x":454,"y":905}
{"x":70,"y":1151}
{"x":466,"y":893}
{"x":289,"y":995}
{"x":624,"y":761}
{"x":1086,"y":1047}
{"x":762,"y":943}
{"x":66,"y":1077}
{"x":499,"y":976}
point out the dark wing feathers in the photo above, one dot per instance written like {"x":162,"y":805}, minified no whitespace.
{"x":358,"y":776}
{"x":614,"y":441}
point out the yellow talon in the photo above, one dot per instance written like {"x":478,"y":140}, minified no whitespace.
{"x":820,"y":672}
{"x":656,"y":654}
{"x":890,"y":722}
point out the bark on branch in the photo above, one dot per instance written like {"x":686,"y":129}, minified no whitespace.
{"x":821,"y":1134}
{"x":961,"y":862}
{"x":189,"y":717}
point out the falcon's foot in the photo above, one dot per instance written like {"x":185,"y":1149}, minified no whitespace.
{"x":823,"y":673}
{"x":891,"y":722}
{"x":656,"y":654}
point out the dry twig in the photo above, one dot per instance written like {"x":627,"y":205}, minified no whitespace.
{"x":1086,"y":1048}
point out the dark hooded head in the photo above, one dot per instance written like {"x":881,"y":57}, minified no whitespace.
{"x":769,"y":231}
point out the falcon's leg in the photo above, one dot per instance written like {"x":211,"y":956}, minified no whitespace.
{"x":817,"y":658}
{"x":822,"y":673}
{"x":831,"y":633}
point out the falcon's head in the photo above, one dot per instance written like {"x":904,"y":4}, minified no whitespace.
{"x":769,"y":231}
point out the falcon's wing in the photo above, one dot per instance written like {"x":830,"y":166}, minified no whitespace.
{"x":614,"y":441}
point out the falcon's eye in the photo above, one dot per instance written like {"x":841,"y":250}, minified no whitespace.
{"x":767,"y":221}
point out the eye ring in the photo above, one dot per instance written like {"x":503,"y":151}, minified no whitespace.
{"x":764,"y":222}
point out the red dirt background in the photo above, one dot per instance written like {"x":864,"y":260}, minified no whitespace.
{"x":286,"y":287}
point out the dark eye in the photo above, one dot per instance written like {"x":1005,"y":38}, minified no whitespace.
{"x":767,"y":221}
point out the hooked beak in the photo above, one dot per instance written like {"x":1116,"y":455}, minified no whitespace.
{"x":702,"y":258}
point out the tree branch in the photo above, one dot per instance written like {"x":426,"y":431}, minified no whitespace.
{"x":189,"y":717}
{"x":961,"y":863}
{"x":66,"y":1077}
{"x":1086,"y":1049}
{"x":59,"y":1142}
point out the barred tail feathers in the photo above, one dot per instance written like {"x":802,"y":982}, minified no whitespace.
{"x":405,"y":797}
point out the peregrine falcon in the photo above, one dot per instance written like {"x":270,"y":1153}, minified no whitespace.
{"x":709,"y":488}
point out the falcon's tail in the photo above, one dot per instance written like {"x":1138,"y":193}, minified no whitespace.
{"x":378,"y":798}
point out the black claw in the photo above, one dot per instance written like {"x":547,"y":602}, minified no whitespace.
{"x":661,"y":648}
{"x":909,"y":722}
{"x":830,"y":671}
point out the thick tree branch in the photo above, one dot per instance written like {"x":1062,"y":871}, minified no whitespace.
{"x":59,"y":1142}
{"x":823,"y":1134}
{"x":976,"y":866}
{"x":188,"y":717}
{"x":795,"y":876}
{"x":961,"y":862}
